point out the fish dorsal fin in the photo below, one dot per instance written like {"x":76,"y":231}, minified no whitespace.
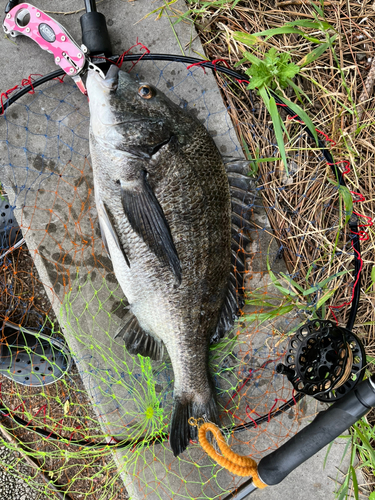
{"x":107,"y":230}
{"x":137,"y":341}
{"x":147,"y":219}
{"x":243,"y":196}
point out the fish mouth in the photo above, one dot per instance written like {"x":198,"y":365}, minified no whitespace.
{"x":110,"y":82}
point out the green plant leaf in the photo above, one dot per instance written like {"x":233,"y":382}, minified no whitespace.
{"x":312,"y":39}
{"x":271,"y":55}
{"x":298,"y":90}
{"x":344,"y":489}
{"x":317,"y":25}
{"x":313,"y":55}
{"x":289,"y":71}
{"x":253,"y":165}
{"x":160,"y":9}
{"x":292,"y":282}
{"x":372,"y":496}
{"x":261,"y":72}
{"x":349,"y":443}
{"x":276,"y":282}
{"x":348,"y":202}
{"x":277,"y":126}
{"x":259,"y":302}
{"x":318,"y":9}
{"x":322,"y":284}
{"x":327,"y":453}
{"x":258,"y":81}
{"x":262,"y":317}
{"x":278,"y":31}
{"x":268,"y":159}
{"x":355,"y":482}
{"x":304,"y":23}
{"x":326,"y":296}
{"x":303,"y":115}
{"x":365,"y":442}
{"x":373,"y":274}
{"x":253,"y":59}
{"x":309,"y":272}
{"x":245,"y":38}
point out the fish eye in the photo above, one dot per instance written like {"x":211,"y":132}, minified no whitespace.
{"x":146,"y":92}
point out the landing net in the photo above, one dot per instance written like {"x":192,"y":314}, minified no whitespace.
{"x":61,"y":283}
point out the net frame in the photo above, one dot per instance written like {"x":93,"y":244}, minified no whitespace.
{"x":160,"y":57}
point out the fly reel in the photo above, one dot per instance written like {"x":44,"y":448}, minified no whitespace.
{"x":324,"y":360}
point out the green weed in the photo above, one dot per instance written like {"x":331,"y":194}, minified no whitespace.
{"x":360,"y":444}
{"x":196,"y":10}
{"x":275,"y":72}
{"x":308,"y":299}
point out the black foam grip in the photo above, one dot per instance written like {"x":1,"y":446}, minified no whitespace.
{"x":95,"y":33}
{"x":326,"y":426}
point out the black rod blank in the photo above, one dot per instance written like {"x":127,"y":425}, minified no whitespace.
{"x":90,"y":6}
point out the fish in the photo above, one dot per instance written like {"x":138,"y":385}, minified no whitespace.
{"x":173,"y":220}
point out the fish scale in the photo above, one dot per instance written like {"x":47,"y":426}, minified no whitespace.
{"x":164,"y":208}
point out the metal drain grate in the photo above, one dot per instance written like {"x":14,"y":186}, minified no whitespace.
{"x":33,"y":359}
{"x":10,"y":232}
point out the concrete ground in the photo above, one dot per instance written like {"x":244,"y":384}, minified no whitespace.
{"x":50,"y":183}
{"x":12,"y":483}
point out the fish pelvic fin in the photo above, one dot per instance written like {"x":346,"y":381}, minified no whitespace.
{"x":181,"y":432}
{"x":147,"y":219}
{"x":137,"y":341}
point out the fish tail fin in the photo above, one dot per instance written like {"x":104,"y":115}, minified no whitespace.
{"x":181,"y":432}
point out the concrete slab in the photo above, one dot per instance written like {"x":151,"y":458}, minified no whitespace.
{"x":44,"y":150}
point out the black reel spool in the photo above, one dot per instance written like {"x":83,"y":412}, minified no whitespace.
{"x":324,"y":360}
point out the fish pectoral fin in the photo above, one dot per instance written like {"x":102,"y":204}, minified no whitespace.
{"x":147,"y":219}
{"x":137,"y":341}
{"x":107,"y":229}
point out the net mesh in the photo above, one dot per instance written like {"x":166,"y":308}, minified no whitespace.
{"x":61,"y":283}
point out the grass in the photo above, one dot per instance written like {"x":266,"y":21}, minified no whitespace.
{"x":359,"y":446}
{"x":325,"y":52}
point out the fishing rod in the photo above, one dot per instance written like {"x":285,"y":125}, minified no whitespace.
{"x":326,"y":426}
{"x":96,"y":54}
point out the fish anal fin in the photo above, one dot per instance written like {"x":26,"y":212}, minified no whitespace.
{"x":137,"y":341}
{"x":230,"y":310}
{"x":147,"y":219}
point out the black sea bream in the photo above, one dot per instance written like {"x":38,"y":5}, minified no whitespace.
{"x":164,"y":206}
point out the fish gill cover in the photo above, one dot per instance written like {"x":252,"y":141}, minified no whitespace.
{"x":109,"y":395}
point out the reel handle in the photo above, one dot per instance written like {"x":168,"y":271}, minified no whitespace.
{"x":326,"y":426}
